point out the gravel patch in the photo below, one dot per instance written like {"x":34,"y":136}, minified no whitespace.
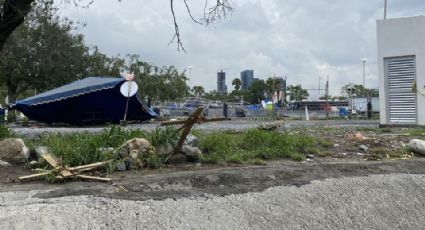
{"x":391,"y":201}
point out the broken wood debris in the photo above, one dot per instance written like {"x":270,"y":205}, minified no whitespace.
{"x":188,"y":124}
{"x":62,"y":172}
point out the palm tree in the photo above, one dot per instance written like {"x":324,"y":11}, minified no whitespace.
{"x":237,"y":84}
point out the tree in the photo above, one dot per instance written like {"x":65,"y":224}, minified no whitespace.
{"x":13,"y":13}
{"x":256,"y":92}
{"x":198,"y":90}
{"x":297,"y":93}
{"x":356,"y":90}
{"x":41,"y":54}
{"x":237,"y":84}
{"x":155,"y":83}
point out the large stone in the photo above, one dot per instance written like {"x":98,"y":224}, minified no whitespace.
{"x":41,"y":150}
{"x":177,"y":158}
{"x":191,"y":140}
{"x":135,"y":152}
{"x":417,"y":146}
{"x":193,"y":154}
{"x":14,"y":151}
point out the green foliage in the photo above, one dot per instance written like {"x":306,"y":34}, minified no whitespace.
{"x":167,"y":135}
{"x":297,"y":93}
{"x":42,"y":53}
{"x":254,"y":145}
{"x":85,"y":148}
{"x":197,"y":91}
{"x":237,"y":84}
{"x":356,"y":90}
{"x":256,"y":92}
{"x":5,"y":132}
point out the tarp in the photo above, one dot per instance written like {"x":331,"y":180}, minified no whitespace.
{"x":87,"y":101}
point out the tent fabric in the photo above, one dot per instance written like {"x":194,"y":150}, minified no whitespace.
{"x":93,"y":100}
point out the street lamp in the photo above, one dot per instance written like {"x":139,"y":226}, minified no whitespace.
{"x":364,"y":60}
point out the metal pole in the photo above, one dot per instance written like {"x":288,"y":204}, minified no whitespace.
{"x":364,"y":60}
{"x":385,"y":10}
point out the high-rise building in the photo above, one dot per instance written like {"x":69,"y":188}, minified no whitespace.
{"x":247,"y":77}
{"x":221,"y":82}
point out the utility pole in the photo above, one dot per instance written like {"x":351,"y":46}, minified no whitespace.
{"x":364,"y":60}
{"x":319,"y":88}
{"x":385,"y":10}
{"x":327,"y":96}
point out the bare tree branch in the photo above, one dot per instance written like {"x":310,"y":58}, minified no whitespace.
{"x":212,"y":14}
{"x":176,"y":30}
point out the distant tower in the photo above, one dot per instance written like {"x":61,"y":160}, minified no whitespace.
{"x":221,"y":82}
{"x":247,"y":77}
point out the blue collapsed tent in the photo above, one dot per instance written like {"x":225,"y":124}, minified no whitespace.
{"x":93,"y":100}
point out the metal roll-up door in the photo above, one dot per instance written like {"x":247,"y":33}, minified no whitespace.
{"x":400,"y":79}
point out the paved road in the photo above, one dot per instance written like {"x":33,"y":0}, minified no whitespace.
{"x":237,"y":125}
{"x":390,"y":201}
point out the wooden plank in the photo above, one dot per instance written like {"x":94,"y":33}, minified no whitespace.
{"x":94,"y":178}
{"x":33,"y":175}
{"x":51,"y":160}
{"x":165,"y":123}
{"x":89,"y":166}
{"x":194,"y":118}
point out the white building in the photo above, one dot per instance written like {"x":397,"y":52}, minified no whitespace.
{"x":401,"y":63}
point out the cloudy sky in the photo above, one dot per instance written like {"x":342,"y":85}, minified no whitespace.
{"x":300,"y":39}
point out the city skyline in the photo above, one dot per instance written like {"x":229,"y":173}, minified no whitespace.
{"x":266,"y":36}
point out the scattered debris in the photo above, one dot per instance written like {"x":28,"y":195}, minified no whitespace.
{"x":14,"y":151}
{"x":363,"y":148}
{"x":310,"y":156}
{"x":188,"y":124}
{"x":417,"y":146}
{"x":336,"y":145}
{"x":62,"y":172}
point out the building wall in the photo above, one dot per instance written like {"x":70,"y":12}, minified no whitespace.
{"x":247,"y":77}
{"x":402,"y":37}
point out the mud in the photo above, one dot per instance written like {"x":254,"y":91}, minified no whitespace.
{"x":218,"y":182}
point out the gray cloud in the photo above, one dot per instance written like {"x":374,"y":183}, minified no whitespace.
{"x":300,"y":39}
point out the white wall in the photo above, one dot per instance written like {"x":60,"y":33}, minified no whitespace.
{"x":402,"y":37}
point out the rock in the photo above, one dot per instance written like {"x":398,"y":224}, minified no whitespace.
{"x":191,"y":140}
{"x":336,"y":145}
{"x":136,"y":148}
{"x":41,"y":150}
{"x":310,"y":156}
{"x":135,"y":152}
{"x":121,"y":166}
{"x":193,"y":154}
{"x":4,"y":163}
{"x":177,"y":158}
{"x":417,"y":146}
{"x":14,"y":151}
{"x":363,"y":148}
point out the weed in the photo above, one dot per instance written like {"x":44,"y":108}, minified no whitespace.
{"x":255,"y":144}
{"x":417,"y":131}
{"x":5,"y":132}
{"x":158,"y":137}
